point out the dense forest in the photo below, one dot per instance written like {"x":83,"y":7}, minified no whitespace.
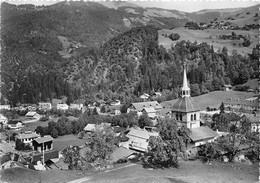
{"x":123,"y":67}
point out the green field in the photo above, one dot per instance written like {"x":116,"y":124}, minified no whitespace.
{"x":209,"y":36}
{"x":213,"y":99}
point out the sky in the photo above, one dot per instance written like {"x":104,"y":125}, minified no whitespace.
{"x":181,"y":5}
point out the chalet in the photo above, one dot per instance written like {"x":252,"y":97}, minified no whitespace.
{"x":76,"y":106}
{"x":145,"y":96}
{"x":115,"y":110}
{"x":150,"y":112}
{"x":93,"y":127}
{"x":116,"y":102}
{"x":43,"y":143}
{"x":27,"y":137}
{"x":251,"y":120}
{"x":3,"y":119}
{"x":62,"y":106}
{"x":138,"y":107}
{"x":48,"y":155}
{"x":227,"y":87}
{"x":33,"y":114}
{"x":45,"y":105}
{"x":138,"y":139}
{"x":201,"y":135}
{"x":7,"y":107}
{"x":15,"y":124}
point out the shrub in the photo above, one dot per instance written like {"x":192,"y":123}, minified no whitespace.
{"x":174,"y":36}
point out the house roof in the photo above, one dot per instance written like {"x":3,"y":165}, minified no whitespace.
{"x":47,"y":156}
{"x":185,"y":104}
{"x":46,"y":138}
{"x":252,"y":118}
{"x":141,"y":133}
{"x":140,"y":105}
{"x":31,"y":113}
{"x":202,"y":133}
{"x":14,"y":122}
{"x":149,"y":109}
{"x":90,"y":127}
{"x":227,"y":86}
{"x":28,"y":135}
{"x":72,"y":118}
{"x":120,"y":153}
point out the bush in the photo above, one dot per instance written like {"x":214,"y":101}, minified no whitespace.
{"x":174,"y":37}
{"x":44,"y":118}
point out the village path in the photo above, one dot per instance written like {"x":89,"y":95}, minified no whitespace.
{"x":85,"y":179}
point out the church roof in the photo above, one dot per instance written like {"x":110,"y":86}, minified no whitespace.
{"x":185,"y":104}
{"x":202,"y":133}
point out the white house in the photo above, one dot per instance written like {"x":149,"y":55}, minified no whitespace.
{"x":144,"y":96}
{"x":3,"y":119}
{"x":150,"y":111}
{"x":45,"y":105}
{"x":62,"y":106}
{"x":27,"y":137}
{"x":7,"y":107}
{"x":15,"y":124}
{"x":33,"y":114}
{"x":138,"y":139}
{"x":76,"y":106}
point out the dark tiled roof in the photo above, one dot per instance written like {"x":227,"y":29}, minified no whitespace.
{"x":185,"y":104}
{"x":140,"y":105}
{"x":47,"y":156}
{"x":121,"y":153}
{"x":202,"y":133}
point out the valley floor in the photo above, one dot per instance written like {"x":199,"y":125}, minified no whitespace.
{"x":188,"y":172}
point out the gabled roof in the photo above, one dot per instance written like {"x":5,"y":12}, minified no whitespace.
{"x":149,"y":109}
{"x":202,"y":133}
{"x":90,"y":127}
{"x":140,"y":105}
{"x":252,"y":118}
{"x":141,"y":133}
{"x":31,"y":113}
{"x":46,"y":138}
{"x":185,"y":104}
{"x":28,"y":135}
{"x":120,"y":153}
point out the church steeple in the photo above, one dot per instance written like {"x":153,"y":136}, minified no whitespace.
{"x":185,"y":90}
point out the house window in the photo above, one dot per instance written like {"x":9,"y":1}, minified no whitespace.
{"x":177,"y":117}
{"x":194,"y":116}
{"x":191,"y":117}
{"x":181,"y":117}
{"x":183,"y":93}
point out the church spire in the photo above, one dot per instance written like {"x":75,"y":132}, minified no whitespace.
{"x":185,"y":90}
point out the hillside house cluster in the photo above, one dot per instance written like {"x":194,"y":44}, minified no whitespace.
{"x":242,"y":105}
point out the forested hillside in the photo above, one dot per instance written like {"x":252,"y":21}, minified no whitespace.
{"x":113,"y":61}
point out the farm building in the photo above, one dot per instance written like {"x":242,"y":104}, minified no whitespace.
{"x":138,"y":107}
{"x":3,"y":119}
{"x":45,"y":106}
{"x":242,"y":105}
{"x":33,"y":114}
{"x":15,"y":124}
{"x":252,"y":121}
{"x":43,"y":143}
{"x":76,"y":106}
{"x":7,"y":107}
{"x":62,"y":106}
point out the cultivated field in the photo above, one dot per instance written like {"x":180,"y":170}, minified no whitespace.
{"x":209,"y":36}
